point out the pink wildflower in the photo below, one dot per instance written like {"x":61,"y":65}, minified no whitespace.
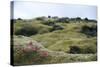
{"x":44,"y":53}
{"x":33,"y":49}
{"x":30,"y":47}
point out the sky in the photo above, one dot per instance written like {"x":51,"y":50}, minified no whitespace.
{"x":29,"y":10}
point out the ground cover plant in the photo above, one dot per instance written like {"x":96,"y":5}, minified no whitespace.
{"x":49,"y":40}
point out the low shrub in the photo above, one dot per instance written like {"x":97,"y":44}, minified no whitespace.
{"x":49,"y":23}
{"x":74,"y":49}
{"x":89,"y":30}
{"x":87,"y":49}
{"x":30,"y":29}
{"x":57,"y":27}
{"x":29,"y":54}
{"x":26,"y":31}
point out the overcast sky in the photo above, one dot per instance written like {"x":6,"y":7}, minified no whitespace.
{"x":28,"y":10}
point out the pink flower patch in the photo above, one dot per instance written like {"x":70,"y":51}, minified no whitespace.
{"x":44,"y":54}
{"x":33,"y":49}
{"x":30,"y":47}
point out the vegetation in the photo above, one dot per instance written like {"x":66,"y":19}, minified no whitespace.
{"x":44,"y":40}
{"x":31,"y":28}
